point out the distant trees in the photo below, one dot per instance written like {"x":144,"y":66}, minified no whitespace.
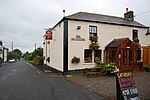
{"x":14,"y":54}
{"x":36,"y":57}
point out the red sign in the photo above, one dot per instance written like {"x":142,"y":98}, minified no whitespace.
{"x":48,"y":35}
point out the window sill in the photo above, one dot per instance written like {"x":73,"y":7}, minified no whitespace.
{"x":88,"y":63}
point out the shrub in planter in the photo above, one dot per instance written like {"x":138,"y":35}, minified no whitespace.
{"x":75,"y":60}
{"x":109,"y":67}
{"x":98,"y":62}
{"x":38,"y":60}
{"x":146,"y":68}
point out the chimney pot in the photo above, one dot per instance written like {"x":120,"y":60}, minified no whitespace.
{"x":126,"y":10}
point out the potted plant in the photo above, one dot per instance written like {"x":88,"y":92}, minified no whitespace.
{"x":75,"y":60}
{"x":136,"y":40}
{"x":94,"y":45}
{"x":109,"y":68}
{"x":146,"y":68}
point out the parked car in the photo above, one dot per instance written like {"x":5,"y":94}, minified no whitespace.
{"x":12,"y":60}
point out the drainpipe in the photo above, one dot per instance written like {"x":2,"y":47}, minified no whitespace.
{"x":46,"y":52}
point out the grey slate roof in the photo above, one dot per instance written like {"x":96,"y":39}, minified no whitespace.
{"x":116,"y":42}
{"x":84,"y":16}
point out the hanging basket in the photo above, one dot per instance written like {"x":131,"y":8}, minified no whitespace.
{"x":75,"y":60}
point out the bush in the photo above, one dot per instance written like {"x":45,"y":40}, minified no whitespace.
{"x":109,"y":67}
{"x":94,"y":46}
{"x":146,"y":68}
{"x":38,"y":60}
{"x":75,"y":60}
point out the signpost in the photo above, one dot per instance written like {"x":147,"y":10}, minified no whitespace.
{"x":125,"y":86}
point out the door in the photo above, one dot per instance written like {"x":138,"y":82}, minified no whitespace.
{"x":146,"y":55}
{"x":127,"y":58}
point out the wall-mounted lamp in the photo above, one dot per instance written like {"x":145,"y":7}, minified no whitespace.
{"x":78,"y":27}
{"x":148,"y":31}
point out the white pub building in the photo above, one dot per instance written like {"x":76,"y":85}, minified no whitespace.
{"x":67,"y":44}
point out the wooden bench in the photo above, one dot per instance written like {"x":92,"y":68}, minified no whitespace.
{"x":94,"y":71}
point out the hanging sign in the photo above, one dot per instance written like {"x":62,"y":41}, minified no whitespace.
{"x":125,"y":85}
{"x":48,"y":35}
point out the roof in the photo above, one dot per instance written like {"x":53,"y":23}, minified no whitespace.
{"x":116,"y":42}
{"x":84,"y":16}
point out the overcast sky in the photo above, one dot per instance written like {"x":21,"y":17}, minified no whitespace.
{"x":23,"y":21}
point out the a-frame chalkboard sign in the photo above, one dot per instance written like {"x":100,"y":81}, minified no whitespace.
{"x":125,"y":86}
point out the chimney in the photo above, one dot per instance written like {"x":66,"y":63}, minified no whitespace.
{"x":129,"y":15}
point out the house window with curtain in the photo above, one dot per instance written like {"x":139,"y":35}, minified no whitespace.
{"x":92,"y":31}
{"x":97,"y":55}
{"x":87,"y":56}
{"x":91,"y":56}
{"x":135,"y":36}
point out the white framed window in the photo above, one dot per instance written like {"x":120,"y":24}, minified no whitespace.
{"x":91,"y":56}
{"x":87,"y":56}
{"x":92,"y":31}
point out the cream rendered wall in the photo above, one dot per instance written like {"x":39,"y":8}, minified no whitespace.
{"x":76,"y":48}
{"x":56,"y":48}
{"x":106,"y":33}
{"x":1,"y":55}
{"x":46,"y":50}
{"x":5,"y":55}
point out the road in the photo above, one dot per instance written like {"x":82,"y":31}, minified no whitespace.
{"x":19,"y":81}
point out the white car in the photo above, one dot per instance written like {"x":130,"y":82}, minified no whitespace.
{"x":11,"y":60}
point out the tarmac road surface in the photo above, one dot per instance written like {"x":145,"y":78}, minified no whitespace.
{"x":19,"y":81}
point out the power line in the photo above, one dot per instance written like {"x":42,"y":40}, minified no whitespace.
{"x":142,"y":13}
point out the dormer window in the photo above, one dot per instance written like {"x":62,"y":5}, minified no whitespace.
{"x":92,"y":31}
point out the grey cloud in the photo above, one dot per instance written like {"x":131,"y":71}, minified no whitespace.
{"x":23,"y":21}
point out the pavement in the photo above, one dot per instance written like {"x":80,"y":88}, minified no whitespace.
{"x":22,"y":81}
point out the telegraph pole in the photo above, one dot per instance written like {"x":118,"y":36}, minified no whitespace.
{"x":35,"y":46}
{"x":12,"y":46}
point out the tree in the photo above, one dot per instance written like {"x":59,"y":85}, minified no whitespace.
{"x":17,"y":51}
{"x":36,"y":56}
{"x":15,"y":54}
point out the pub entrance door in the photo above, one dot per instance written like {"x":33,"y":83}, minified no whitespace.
{"x":129,"y":58}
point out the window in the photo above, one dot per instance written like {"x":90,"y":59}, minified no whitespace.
{"x":130,"y":57}
{"x":135,"y":35}
{"x":97,"y":55}
{"x":87,"y":56}
{"x":90,"y":54}
{"x":113,"y":57}
{"x":92,"y":31}
{"x":124,"y":58}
